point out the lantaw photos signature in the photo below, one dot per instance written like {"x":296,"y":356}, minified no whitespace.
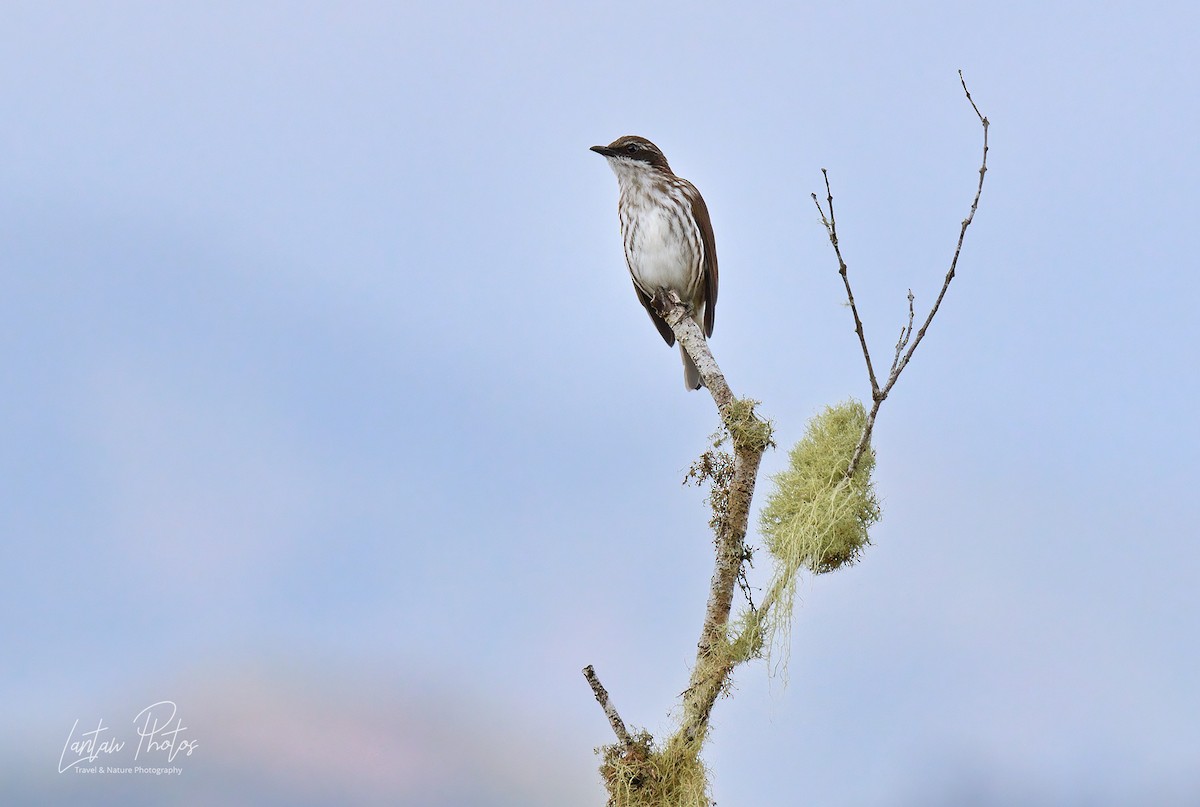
{"x":159,"y":731}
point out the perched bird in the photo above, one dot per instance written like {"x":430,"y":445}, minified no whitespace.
{"x":668,"y":237}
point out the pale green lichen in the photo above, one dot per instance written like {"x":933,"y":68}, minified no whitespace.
{"x":643,"y":775}
{"x":817,"y":517}
{"x":746,"y":428}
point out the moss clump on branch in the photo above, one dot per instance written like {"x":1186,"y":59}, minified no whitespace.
{"x":640,"y":775}
{"x":746,"y":428}
{"x":817,"y":517}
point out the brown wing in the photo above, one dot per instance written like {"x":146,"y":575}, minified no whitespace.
{"x":659,"y":322}
{"x":709,"y":266}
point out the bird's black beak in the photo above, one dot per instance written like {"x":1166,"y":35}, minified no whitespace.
{"x":604,"y":151}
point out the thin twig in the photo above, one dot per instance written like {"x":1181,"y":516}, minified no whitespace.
{"x":905,"y":334}
{"x":962,"y":232}
{"x":610,"y":711}
{"x":831,"y":228}
{"x":744,"y":585}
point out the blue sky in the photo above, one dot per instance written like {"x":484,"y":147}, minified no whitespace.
{"x":328,"y":411}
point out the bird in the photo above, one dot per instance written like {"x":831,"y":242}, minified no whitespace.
{"x":668,"y":237}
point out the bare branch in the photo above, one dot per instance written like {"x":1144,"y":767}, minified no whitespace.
{"x":865,"y":440}
{"x":672,"y":309}
{"x":907,"y":344}
{"x":610,"y":711}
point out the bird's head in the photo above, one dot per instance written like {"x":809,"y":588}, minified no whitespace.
{"x":633,"y":154}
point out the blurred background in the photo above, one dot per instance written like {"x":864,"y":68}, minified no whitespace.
{"x":328,"y":412}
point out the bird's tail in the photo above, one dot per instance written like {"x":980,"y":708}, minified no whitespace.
{"x":691,"y":376}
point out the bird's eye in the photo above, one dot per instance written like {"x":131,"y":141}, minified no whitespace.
{"x":631,"y":148}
